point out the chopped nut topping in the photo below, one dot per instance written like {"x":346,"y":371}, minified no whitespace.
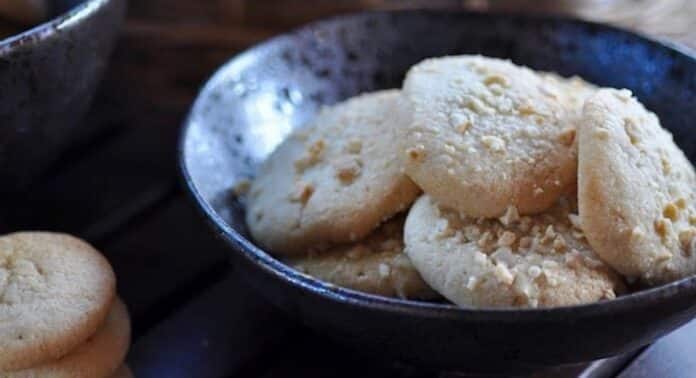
{"x":685,"y":239}
{"x":384,"y":270}
{"x":567,"y":136}
{"x":477,"y":106}
{"x":472,"y":283}
{"x":538,"y":191}
{"x":671,"y":211}
{"x":495,"y":79}
{"x":549,"y":235}
{"x":502,"y":273}
{"x":663,"y":227}
{"x":303,"y":191}
{"x":623,"y":95}
{"x":681,"y":203}
{"x":666,"y":166}
{"x":637,"y":233}
{"x":347,"y":170}
{"x":493,"y":143}
{"x":601,"y":133}
{"x":354,"y":146}
{"x":575,"y":221}
{"x":511,"y":216}
{"x":559,"y":244}
{"x":417,"y":153}
{"x":312,"y":157}
{"x":485,"y":239}
{"x":464,"y":126}
{"x":631,"y":130}
{"x":526,"y":110}
{"x":507,"y":239}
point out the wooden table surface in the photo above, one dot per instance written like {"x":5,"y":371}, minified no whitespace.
{"x":118,"y":188}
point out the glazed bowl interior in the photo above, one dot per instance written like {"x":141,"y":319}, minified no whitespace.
{"x":254,"y":101}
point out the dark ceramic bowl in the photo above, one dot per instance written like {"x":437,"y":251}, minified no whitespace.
{"x":48,"y":75}
{"x":252,"y":103}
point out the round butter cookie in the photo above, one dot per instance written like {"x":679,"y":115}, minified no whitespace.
{"x":635,"y":190}
{"x":486,"y":134}
{"x":375,"y":265}
{"x":55,"y":292}
{"x":99,"y":357}
{"x":335,"y":180}
{"x":514,"y":261}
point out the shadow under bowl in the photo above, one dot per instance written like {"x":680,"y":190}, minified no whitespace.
{"x":256,"y":99}
{"x":48,"y":76}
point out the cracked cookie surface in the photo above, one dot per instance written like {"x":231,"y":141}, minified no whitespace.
{"x":374,"y":265}
{"x":486,"y":134}
{"x":333,"y":181}
{"x":55,"y":291}
{"x":635,"y":190}
{"x":99,"y":357}
{"x":515,"y":261}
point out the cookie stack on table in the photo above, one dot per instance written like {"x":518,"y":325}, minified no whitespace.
{"x":521,"y":188}
{"x":59,"y":313}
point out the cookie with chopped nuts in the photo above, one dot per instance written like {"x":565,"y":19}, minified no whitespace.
{"x":333,"y":181}
{"x":486,"y":134}
{"x":55,"y":292}
{"x":374,"y":265}
{"x":636,"y":190}
{"x":100,"y":356}
{"x":514,"y":261}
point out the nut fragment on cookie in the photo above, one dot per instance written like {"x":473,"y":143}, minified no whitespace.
{"x":636,"y":190}
{"x":535,"y":263}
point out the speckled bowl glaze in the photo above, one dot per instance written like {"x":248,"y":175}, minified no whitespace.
{"x":256,"y":99}
{"x":48,"y":75}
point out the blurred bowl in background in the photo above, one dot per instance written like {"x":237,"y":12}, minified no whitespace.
{"x":48,"y":75}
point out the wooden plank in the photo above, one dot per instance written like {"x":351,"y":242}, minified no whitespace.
{"x":669,"y":357}
{"x":211,"y":337}
{"x":161,"y":261}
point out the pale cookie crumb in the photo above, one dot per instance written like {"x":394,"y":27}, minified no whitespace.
{"x":502,"y":273}
{"x":575,"y":221}
{"x":511,"y":216}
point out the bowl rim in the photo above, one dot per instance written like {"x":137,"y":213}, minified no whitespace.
{"x":642,"y":299}
{"x":50,"y":27}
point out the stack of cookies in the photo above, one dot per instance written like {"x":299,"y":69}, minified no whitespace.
{"x":59,"y":314}
{"x":486,"y":183}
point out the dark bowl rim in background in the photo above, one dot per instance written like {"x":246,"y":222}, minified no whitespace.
{"x":48,"y":28}
{"x":645,"y":298}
